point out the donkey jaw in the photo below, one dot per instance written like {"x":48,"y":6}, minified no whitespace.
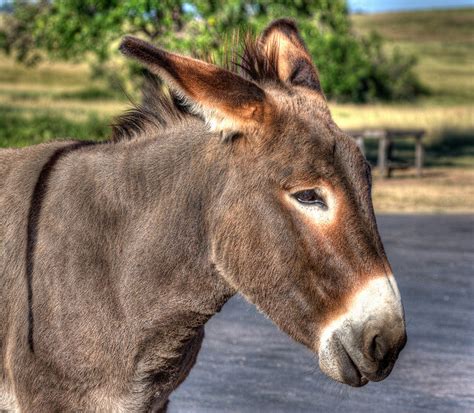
{"x":363,"y":344}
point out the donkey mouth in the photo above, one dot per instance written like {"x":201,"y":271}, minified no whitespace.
{"x":335,"y":361}
{"x":350,"y":373}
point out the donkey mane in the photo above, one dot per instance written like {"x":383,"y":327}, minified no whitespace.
{"x":160,"y":107}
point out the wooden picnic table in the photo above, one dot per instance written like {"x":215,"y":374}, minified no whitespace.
{"x":387,"y":139}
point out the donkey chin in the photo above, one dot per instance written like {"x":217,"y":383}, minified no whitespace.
{"x":363,"y":344}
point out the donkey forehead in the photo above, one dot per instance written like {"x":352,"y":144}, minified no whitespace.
{"x":308,"y":139}
{"x":298,"y":102}
{"x":303,"y":118}
{"x":314,"y":161}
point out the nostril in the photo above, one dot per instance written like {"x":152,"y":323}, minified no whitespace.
{"x":373,"y":347}
{"x":376,"y":348}
{"x":379,"y":348}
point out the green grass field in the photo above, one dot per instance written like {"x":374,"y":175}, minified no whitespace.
{"x":58,"y":100}
{"x":443,"y":42}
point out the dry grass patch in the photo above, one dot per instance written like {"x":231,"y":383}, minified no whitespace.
{"x":431,"y":118}
{"x":440,"y":190}
{"x":68,"y":108}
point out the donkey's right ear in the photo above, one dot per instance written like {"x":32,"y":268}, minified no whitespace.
{"x":226,"y":100}
{"x":293,"y":61}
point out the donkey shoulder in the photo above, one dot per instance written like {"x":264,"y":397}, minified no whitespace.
{"x":23,"y":165}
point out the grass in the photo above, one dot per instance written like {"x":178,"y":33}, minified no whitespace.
{"x":440,"y":190}
{"x":53,"y":100}
{"x":424,"y":26}
{"x":58,"y":100}
{"x":449,"y":129}
{"x":20,"y":128}
{"x":45,"y":75}
{"x":442,"y":41}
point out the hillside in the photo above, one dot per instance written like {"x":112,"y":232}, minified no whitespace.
{"x":442,"y":40}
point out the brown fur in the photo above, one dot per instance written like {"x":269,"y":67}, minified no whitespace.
{"x":159,"y":109}
{"x":110,"y":268}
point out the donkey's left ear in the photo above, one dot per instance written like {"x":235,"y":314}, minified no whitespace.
{"x":227,"y":101}
{"x":283,"y":43}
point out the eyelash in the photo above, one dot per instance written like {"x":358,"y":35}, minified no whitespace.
{"x":311,"y":197}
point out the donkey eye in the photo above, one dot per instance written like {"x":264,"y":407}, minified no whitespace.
{"x":310,"y":196}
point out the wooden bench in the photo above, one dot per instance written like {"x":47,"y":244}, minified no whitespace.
{"x":387,"y":139}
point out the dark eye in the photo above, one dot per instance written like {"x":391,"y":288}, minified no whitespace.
{"x":310,"y":196}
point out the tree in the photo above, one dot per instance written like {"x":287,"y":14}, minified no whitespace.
{"x":352,"y":68}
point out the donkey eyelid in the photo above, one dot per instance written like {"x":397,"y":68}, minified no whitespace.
{"x":315,"y":214}
{"x":317,"y":199}
{"x":318,"y":204}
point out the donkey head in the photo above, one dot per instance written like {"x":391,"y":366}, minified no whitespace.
{"x":293,"y":227}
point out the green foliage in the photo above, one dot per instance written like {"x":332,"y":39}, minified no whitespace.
{"x":16,"y":31}
{"x":69,"y":29}
{"x":368,"y":73}
{"x":19,"y":129}
{"x":352,"y":68}
{"x":92,"y":93}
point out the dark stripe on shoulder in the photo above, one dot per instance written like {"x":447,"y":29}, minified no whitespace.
{"x":34,"y":213}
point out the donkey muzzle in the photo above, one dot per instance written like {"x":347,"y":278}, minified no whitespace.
{"x":363,"y":344}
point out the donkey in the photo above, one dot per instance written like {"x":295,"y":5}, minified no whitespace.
{"x":114,"y":255}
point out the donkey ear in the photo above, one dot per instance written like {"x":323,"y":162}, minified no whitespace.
{"x":225,"y":99}
{"x":293,"y":62}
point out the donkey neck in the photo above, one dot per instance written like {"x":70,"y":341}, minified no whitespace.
{"x":158,"y":193}
{"x":122,"y":236}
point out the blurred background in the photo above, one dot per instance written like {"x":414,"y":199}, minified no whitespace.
{"x":384,"y":65}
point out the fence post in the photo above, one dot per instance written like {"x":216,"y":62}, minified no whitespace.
{"x":419,"y":153}
{"x":383,"y":154}
{"x":360,"y":143}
